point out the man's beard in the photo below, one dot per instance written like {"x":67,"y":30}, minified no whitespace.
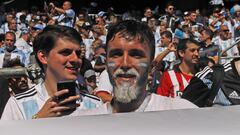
{"x":126,"y":91}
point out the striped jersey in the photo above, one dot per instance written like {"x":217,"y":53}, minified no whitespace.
{"x":25,"y":105}
{"x":173,"y":82}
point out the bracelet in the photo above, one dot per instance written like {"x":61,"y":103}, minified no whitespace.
{"x":35,"y":116}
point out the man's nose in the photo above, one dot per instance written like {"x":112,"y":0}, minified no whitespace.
{"x":23,"y":79}
{"x":196,"y":52}
{"x":126,"y":62}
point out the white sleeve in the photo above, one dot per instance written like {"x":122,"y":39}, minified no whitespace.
{"x":104,"y":83}
{"x":12,"y":111}
{"x":70,"y":13}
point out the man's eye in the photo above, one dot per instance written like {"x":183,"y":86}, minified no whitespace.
{"x":115,"y":53}
{"x":137,"y":53}
{"x":66,"y":52}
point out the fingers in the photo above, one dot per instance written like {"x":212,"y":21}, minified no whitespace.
{"x":69,"y":99}
{"x":59,"y":93}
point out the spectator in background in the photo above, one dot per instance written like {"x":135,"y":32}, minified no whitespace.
{"x":173,"y":82}
{"x":208,"y":49}
{"x":10,"y":51}
{"x":169,"y":17}
{"x":23,"y":42}
{"x":147,"y":14}
{"x":67,"y":14}
{"x":4,"y":27}
{"x":224,"y":40}
{"x":18,"y":84}
{"x":90,"y":79}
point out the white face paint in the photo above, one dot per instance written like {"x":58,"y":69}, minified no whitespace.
{"x":111,"y":64}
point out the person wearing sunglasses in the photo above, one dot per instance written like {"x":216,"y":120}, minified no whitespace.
{"x":169,"y":17}
{"x":224,"y":40}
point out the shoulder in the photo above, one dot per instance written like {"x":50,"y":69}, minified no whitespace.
{"x":166,"y":103}
{"x":202,"y":74}
{"x":2,"y":50}
{"x":29,"y":93}
{"x":227,"y":66}
{"x":11,"y":110}
{"x":90,"y":101}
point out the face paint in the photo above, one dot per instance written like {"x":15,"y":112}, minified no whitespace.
{"x":111,"y":64}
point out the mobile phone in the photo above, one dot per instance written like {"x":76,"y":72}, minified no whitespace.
{"x":71,"y":86}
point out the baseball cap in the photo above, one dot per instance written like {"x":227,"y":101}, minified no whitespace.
{"x":101,"y":13}
{"x":38,"y":27}
{"x":186,"y":13}
{"x":89,"y":73}
{"x":235,"y":9}
{"x":24,"y":30}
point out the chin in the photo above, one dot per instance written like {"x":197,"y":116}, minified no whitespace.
{"x":70,"y":77}
{"x":126,"y":92}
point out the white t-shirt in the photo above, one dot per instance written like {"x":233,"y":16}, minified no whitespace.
{"x":104,"y":83}
{"x":152,"y":103}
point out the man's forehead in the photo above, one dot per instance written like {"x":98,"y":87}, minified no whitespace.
{"x":192,"y":45}
{"x":121,"y":39}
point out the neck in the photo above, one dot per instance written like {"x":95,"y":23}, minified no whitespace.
{"x":51,"y":85}
{"x":118,"y":107}
{"x":187,"y":69}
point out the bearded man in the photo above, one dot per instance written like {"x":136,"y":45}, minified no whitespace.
{"x":130,"y":51}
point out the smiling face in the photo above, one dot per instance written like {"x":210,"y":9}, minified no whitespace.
{"x":63,"y":62}
{"x":128,"y":62}
{"x":191,"y":54}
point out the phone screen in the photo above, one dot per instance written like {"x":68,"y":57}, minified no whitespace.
{"x":71,"y":86}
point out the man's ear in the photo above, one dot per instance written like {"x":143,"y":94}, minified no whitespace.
{"x":181,"y":53}
{"x":42,"y":57}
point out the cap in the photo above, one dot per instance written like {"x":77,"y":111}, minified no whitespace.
{"x":89,"y":73}
{"x":101,"y":13}
{"x":186,"y":13}
{"x":38,"y":27}
{"x":86,"y":25}
{"x":235,"y":8}
{"x":180,"y":34}
{"x":24,"y":30}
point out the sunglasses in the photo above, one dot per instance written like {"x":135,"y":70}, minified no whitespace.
{"x":225,"y":31}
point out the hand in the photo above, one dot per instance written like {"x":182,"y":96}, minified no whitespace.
{"x":53,"y":108}
{"x":51,"y":5}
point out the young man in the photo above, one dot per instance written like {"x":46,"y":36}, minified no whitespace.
{"x":174,"y":81}
{"x":130,"y":51}
{"x":58,"y":52}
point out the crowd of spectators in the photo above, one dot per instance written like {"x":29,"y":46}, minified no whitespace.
{"x":184,"y":41}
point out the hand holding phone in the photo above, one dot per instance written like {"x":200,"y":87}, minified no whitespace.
{"x":71,"y":86}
